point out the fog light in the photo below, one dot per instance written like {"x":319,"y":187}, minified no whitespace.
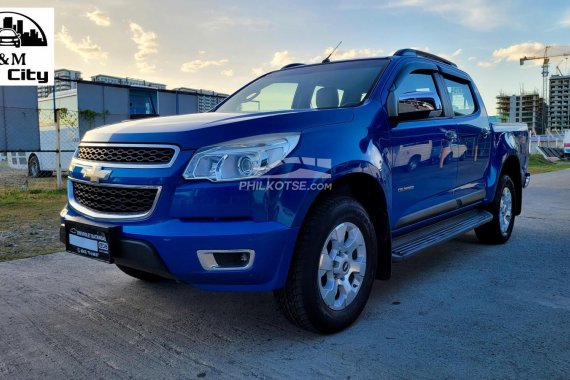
{"x":238,"y":259}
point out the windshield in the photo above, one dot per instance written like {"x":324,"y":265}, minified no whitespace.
{"x":332,"y":85}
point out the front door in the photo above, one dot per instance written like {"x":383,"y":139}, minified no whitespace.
{"x":423,"y":171}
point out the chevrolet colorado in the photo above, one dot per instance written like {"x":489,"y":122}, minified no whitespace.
{"x":308,"y":182}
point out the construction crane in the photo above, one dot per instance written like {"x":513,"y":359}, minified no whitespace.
{"x":545,"y":63}
{"x":558,"y":66}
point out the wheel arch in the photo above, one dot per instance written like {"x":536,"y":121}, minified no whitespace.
{"x":369,"y":193}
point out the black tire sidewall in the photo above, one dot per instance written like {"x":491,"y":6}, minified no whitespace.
{"x":34,"y":162}
{"x":506,"y":181}
{"x":328,"y":320}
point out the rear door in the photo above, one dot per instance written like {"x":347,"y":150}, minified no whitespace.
{"x":423,"y":178}
{"x":473,"y":146}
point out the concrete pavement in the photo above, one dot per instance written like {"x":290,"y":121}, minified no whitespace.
{"x":460,"y":310}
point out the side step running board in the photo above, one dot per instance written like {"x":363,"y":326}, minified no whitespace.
{"x":407,"y":245}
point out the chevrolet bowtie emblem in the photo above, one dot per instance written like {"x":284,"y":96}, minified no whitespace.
{"x":95,"y":173}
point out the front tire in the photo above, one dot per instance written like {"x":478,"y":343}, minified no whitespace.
{"x":499,"y":230}
{"x":333,"y":268}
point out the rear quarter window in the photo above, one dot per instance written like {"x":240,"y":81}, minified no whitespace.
{"x":461,"y":97}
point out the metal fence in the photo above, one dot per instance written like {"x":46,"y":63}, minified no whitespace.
{"x":42,"y":168}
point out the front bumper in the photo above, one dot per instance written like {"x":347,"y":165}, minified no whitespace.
{"x":170,"y":248}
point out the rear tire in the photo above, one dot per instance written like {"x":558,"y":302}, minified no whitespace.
{"x":34,"y":169}
{"x":499,"y":230}
{"x":139,"y":274}
{"x":333,"y":268}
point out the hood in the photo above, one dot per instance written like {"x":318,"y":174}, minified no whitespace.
{"x":194,"y":131}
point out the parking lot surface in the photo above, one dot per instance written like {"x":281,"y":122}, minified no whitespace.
{"x":459,"y":310}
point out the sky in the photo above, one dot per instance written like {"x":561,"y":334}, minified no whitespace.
{"x":220,"y":45}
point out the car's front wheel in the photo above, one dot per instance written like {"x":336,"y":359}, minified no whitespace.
{"x":333,"y":268}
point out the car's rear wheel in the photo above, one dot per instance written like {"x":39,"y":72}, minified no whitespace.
{"x":139,"y":274}
{"x":499,"y":230}
{"x":333,"y":268}
{"x":34,"y":169}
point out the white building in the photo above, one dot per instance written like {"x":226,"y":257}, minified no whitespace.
{"x":206,"y":99}
{"x":109,"y":79}
{"x":65,"y":80}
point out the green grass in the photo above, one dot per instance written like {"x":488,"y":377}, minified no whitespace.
{"x":538,"y":164}
{"x":29,"y":223}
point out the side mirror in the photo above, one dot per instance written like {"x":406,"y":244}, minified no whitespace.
{"x":414,"y":105}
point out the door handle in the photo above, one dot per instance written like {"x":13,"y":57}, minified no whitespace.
{"x":450,"y":135}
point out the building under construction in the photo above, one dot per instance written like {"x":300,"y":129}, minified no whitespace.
{"x":559,"y":110}
{"x":526,"y":108}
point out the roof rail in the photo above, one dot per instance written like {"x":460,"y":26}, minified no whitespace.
{"x":292,"y":65}
{"x":423,"y":54}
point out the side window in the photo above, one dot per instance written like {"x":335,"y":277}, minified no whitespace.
{"x":276,"y":96}
{"x":461,"y":97}
{"x":417,"y":82}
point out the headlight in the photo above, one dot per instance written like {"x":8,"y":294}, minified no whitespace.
{"x":240,"y":159}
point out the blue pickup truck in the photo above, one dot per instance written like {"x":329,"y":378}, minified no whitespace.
{"x":310,"y":181}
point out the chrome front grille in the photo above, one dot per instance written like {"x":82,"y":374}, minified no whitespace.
{"x":126,"y":154}
{"x":113,"y":201}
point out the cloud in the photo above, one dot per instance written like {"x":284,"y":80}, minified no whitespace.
{"x":99,"y":18}
{"x":451,"y":56}
{"x":487,"y":64}
{"x":257,"y":71}
{"x":147,"y":45}
{"x":471,"y":58}
{"x":198,"y":64}
{"x":475,"y":14}
{"x":224,"y":22}
{"x":86,"y":49}
{"x":281,"y":58}
{"x":340,"y":54}
{"x":514,"y":53}
{"x":484,"y":64}
{"x":227,"y":73}
{"x":565,"y":21}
